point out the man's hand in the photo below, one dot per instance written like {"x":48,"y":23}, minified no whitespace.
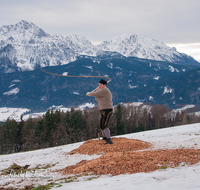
{"x":98,"y":88}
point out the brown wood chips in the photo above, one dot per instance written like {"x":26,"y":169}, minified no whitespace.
{"x":122,"y":157}
{"x":119,"y":144}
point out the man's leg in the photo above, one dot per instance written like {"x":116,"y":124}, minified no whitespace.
{"x":107,"y":132}
{"x":105,"y":118}
{"x":102,"y":121}
{"x":104,"y":135}
{"x":108,"y":140}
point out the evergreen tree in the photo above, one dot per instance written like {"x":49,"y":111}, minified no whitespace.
{"x":91,"y":123}
{"x":10,"y":134}
{"x":74,"y":124}
{"x":19,"y":134}
{"x":49,"y":124}
{"x":120,"y":125}
{"x":57,"y":116}
{"x":1,"y":139}
{"x":76,"y":119}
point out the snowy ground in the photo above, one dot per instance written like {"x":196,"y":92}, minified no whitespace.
{"x":15,"y":113}
{"x":180,"y":178}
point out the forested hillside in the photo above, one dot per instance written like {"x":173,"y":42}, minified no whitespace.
{"x":59,"y":128}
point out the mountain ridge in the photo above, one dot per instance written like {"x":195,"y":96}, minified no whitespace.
{"x":133,"y":45}
{"x":24,"y":46}
{"x":130,"y":78}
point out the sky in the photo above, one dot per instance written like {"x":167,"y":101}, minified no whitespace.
{"x":175,"y":22}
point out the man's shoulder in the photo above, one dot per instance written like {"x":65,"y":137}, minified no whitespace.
{"x":106,"y":89}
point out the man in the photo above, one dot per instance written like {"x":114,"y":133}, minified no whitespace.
{"x":104,"y":99}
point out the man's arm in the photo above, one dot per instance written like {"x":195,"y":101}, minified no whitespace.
{"x":99,"y":93}
{"x":87,"y":94}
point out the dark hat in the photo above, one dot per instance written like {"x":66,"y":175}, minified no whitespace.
{"x":103,"y":81}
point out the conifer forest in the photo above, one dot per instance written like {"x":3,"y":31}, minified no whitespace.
{"x":56,"y":128}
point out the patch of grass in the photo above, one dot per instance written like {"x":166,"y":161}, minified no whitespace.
{"x":4,"y":160}
{"x":163,"y":167}
{"x":44,"y":187}
{"x":183,"y":164}
{"x":39,"y":166}
{"x":59,"y":185}
{"x":15,"y":168}
{"x":91,"y":178}
{"x":71,"y":179}
{"x":68,"y":179}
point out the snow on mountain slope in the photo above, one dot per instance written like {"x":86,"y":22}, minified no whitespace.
{"x":24,"y":46}
{"x":140,"y":46}
{"x":16,"y":113}
{"x":179,"y":178}
{"x":28,"y":46}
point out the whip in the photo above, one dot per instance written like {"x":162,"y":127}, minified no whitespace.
{"x":76,"y":76}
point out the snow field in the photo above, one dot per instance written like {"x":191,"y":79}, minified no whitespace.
{"x":183,"y":177}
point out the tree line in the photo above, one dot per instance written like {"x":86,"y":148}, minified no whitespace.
{"x":56,"y":128}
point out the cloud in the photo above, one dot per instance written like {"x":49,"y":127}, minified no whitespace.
{"x":192,"y":49}
{"x":171,"y":21}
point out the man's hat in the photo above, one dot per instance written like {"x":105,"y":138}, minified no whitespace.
{"x":103,"y":81}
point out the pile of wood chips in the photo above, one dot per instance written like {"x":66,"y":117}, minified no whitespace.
{"x":91,"y":147}
{"x":122,"y":157}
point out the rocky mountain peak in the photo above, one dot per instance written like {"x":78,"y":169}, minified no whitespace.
{"x":24,"y":46}
{"x":22,"y":31}
{"x":133,"y":45}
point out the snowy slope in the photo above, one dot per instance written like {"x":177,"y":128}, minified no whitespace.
{"x":24,"y":46}
{"x":133,"y":45}
{"x":180,"y":178}
{"x":16,"y":113}
{"x":28,"y":46}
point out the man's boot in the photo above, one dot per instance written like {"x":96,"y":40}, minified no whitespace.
{"x":109,"y":141}
{"x":105,"y":138}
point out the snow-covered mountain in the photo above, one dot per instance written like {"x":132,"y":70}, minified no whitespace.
{"x":27,"y":46}
{"x":24,"y":46}
{"x":133,"y":80}
{"x":133,"y":45}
